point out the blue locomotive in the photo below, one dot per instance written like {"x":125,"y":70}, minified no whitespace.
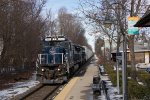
{"x":59,"y":59}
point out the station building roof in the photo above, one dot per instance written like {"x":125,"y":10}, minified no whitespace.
{"x":145,"y":20}
{"x":137,"y":48}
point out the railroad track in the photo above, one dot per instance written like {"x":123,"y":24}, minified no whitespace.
{"x":48,"y":92}
{"x":43,"y":92}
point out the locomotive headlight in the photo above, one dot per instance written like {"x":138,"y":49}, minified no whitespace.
{"x":43,"y":70}
{"x":58,"y":69}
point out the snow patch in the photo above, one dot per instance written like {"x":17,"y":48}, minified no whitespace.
{"x":141,"y":83}
{"x":112,"y":91}
{"x":18,"y":88}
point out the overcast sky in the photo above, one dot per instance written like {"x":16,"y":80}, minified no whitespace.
{"x":71,"y":6}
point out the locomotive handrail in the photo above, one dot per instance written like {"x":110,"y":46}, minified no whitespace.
{"x":47,"y":58}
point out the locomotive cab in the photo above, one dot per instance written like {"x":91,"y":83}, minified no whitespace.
{"x":52,"y":67}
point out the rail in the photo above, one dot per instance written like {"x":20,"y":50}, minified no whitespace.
{"x":55,"y":58}
{"x":42,"y":92}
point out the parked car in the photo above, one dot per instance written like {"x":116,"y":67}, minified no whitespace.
{"x":148,"y":70}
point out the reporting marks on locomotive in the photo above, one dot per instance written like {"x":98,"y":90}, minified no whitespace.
{"x":55,"y":39}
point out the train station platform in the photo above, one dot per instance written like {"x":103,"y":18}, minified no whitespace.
{"x":80,"y":87}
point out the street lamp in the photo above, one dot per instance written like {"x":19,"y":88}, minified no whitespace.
{"x":124,"y":61}
{"x":117,"y":65}
{"x":108,"y":23}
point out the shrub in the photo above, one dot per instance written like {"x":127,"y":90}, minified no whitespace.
{"x":129,"y":71}
{"x":144,"y":77}
{"x":113,"y":78}
{"x":112,"y":74}
{"x":136,"y":91}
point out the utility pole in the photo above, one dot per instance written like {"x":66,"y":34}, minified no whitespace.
{"x":124,"y":58}
{"x":124,"y":62}
{"x":104,"y":52}
{"x":124,"y":68}
{"x":117,"y":69}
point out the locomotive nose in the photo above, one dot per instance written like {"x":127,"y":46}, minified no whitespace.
{"x":52,"y":50}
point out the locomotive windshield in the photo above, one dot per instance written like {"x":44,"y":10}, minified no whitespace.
{"x":54,"y":43}
{"x":64,"y":44}
{"x":51,"y":43}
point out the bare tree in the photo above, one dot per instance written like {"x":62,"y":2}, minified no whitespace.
{"x":97,"y":17}
{"x":71,"y":27}
{"x":21,"y":27}
{"x":117,"y":12}
{"x":98,"y":45}
{"x":51,"y":24}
